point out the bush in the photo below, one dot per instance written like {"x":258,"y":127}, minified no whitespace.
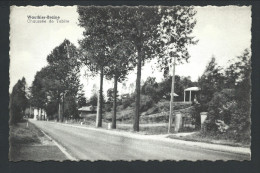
{"x":108,"y":107}
{"x":220,"y":108}
{"x":240,"y":121}
{"x":146,"y":103}
{"x":233,"y":114}
{"x":127,"y":100}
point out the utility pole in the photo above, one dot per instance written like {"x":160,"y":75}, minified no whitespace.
{"x":172,"y":95}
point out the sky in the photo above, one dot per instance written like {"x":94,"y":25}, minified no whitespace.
{"x":223,"y":32}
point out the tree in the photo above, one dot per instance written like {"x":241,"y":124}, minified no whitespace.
{"x":95,"y":46}
{"x":240,"y":120}
{"x":93,"y":100}
{"x":82,"y":101}
{"x":38,"y":90}
{"x":175,"y":30}
{"x":122,"y":62}
{"x":237,"y":72}
{"x":140,"y":29}
{"x":62,"y":73}
{"x":210,"y":82}
{"x":152,"y":89}
{"x":70,"y":107}
{"x":110,"y":92}
{"x":18,"y":101}
{"x":52,"y":109}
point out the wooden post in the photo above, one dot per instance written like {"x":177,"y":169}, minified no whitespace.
{"x":172,"y":96}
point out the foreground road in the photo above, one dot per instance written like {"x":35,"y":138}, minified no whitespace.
{"x":86,"y":144}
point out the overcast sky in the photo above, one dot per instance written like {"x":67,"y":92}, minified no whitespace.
{"x":222,"y":31}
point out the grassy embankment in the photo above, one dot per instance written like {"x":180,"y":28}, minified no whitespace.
{"x":157,"y":117}
{"x":29,"y":143}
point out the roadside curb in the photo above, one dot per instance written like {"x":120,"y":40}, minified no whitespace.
{"x":215,"y":147}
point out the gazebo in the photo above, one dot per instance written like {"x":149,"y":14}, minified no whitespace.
{"x":190,"y":90}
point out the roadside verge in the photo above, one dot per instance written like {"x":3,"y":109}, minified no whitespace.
{"x":27,"y":142}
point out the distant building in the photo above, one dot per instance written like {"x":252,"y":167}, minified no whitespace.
{"x":191,"y":93}
{"x":87,"y":110}
{"x":39,"y":114}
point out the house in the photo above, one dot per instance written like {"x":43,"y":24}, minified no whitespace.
{"x":87,"y":110}
{"x":39,"y":114}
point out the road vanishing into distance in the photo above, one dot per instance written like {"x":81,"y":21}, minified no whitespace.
{"x":88,"y":144}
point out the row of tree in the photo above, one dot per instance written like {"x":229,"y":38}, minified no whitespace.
{"x":118,"y":39}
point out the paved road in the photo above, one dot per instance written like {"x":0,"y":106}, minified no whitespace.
{"x":86,"y":144}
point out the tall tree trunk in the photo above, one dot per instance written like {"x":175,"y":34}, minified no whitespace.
{"x":114,"y":103}
{"x":172,"y":96}
{"x":137,"y":91}
{"x":40,"y":113}
{"x":100,"y":101}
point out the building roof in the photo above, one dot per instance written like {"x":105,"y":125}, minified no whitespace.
{"x":88,"y":108}
{"x":192,"y":89}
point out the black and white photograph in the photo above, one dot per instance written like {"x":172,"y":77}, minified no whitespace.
{"x":127,"y":83}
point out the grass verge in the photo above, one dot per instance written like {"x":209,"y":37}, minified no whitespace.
{"x":27,"y":142}
{"x":21,"y":134}
{"x":212,"y":139}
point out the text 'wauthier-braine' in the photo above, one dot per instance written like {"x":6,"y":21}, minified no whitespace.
{"x":45,"y":19}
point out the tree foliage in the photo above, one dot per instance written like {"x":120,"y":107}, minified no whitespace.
{"x":93,"y":100}
{"x":64,"y":66}
{"x":231,"y":103}
{"x":140,"y":29}
{"x":175,"y":30}
{"x":210,"y":82}
{"x":18,"y":101}
{"x":58,"y":79}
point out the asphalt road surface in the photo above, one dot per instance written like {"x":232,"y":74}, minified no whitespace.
{"x":85,"y":144}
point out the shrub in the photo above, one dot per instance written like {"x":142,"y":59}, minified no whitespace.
{"x":163,"y":106}
{"x":229,"y":115}
{"x":108,"y":107}
{"x":146,"y":103}
{"x":220,"y":108}
{"x":127,"y":100}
